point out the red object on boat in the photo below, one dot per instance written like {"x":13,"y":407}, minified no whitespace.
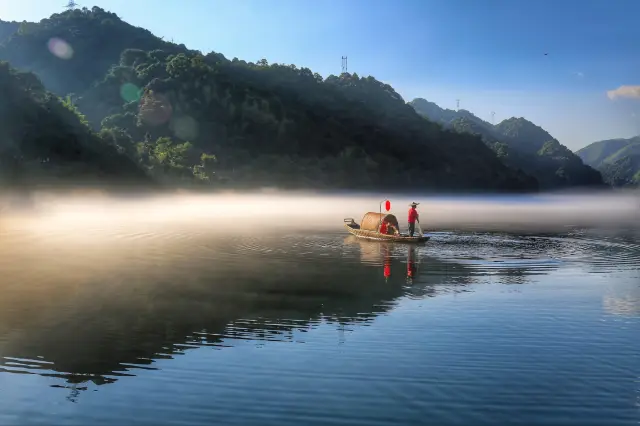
{"x":387,"y":205}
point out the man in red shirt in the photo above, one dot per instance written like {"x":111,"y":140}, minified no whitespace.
{"x":413,"y":217}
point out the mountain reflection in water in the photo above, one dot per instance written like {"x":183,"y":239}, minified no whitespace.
{"x":117,"y":306}
{"x":498,"y":318}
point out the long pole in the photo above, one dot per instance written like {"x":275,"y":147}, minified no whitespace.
{"x":380,"y":216}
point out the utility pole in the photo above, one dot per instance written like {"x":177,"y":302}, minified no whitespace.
{"x":344,"y":65}
{"x":71,"y":5}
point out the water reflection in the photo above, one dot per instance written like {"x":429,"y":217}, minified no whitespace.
{"x":376,"y":253}
{"x":104,"y":306}
{"x":623,"y":299}
{"x":412,"y":263}
{"x":453,"y":266}
{"x":99,"y":315}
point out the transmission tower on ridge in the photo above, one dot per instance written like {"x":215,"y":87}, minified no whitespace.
{"x":457,"y":104}
{"x":71,"y":5}
{"x":344,"y":64}
{"x":493,"y":117}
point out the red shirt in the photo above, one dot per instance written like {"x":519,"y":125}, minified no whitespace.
{"x":413,"y":215}
{"x":383,"y":228}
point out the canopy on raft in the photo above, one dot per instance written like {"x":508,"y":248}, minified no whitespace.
{"x":371,"y":221}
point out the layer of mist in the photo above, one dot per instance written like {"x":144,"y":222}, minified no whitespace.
{"x":142,"y":278}
{"x":240,"y":212}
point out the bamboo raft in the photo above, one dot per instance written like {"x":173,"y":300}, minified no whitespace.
{"x":368,"y":229}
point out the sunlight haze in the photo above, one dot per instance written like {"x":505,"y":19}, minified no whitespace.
{"x":207,"y":216}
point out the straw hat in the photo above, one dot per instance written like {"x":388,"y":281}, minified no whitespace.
{"x":414,"y":204}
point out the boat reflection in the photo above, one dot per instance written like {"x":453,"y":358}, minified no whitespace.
{"x":95,"y":315}
{"x":419,"y":275}
{"x":448,"y":270}
{"x":385,"y":253}
{"x":99,"y":316}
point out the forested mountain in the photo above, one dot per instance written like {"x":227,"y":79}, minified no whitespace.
{"x":7,"y":29}
{"x":45,"y":139}
{"x":617,"y":159}
{"x":71,"y":50}
{"x":183,"y":115}
{"x":520,"y":144}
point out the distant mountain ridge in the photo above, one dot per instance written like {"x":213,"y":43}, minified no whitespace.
{"x":186,"y":118}
{"x":168,"y":107}
{"x":617,"y":159}
{"x":520,"y":144}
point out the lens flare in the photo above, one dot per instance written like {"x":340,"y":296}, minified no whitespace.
{"x":155,"y":109}
{"x":130,"y":92}
{"x":185,"y":127}
{"x":60,"y":48}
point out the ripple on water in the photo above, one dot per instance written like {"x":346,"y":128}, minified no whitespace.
{"x":542,"y":253}
{"x":599,"y":255}
{"x":182,"y":295}
{"x":488,"y":252}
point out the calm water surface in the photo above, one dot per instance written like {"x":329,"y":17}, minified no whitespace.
{"x":197,"y":325}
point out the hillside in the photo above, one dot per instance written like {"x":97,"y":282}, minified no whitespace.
{"x":7,"y":29}
{"x":179,"y":113}
{"x":44,"y":140}
{"x":520,"y":144}
{"x":70,"y":51}
{"x":433,"y":111}
{"x":617,"y":159}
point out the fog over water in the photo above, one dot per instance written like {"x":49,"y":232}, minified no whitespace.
{"x":261,"y":309}
{"x":240,"y":212}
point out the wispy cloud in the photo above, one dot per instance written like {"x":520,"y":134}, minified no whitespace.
{"x":578,"y":74}
{"x":624,"y":92}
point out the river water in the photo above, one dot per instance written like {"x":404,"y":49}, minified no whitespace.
{"x":262,"y":310}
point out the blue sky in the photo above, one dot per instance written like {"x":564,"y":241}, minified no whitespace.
{"x":487,"y":53}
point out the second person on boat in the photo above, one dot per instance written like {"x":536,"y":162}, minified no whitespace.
{"x":385,"y":227}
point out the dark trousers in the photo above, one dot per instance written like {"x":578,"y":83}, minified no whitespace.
{"x":412,"y":228}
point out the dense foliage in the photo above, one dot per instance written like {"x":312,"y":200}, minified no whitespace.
{"x":7,"y":29}
{"x":617,"y":159}
{"x":71,"y":50}
{"x":187,"y":117}
{"x":520,"y":144}
{"x":276,"y":124}
{"x":180,"y":114}
{"x":45,"y":139}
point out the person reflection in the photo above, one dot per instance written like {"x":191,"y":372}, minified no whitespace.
{"x":411,"y":265}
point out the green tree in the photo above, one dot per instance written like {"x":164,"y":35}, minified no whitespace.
{"x":68,"y":103}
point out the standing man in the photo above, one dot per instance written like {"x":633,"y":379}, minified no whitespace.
{"x":413,"y":217}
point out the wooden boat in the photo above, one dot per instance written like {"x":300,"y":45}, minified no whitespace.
{"x":368,"y":229}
